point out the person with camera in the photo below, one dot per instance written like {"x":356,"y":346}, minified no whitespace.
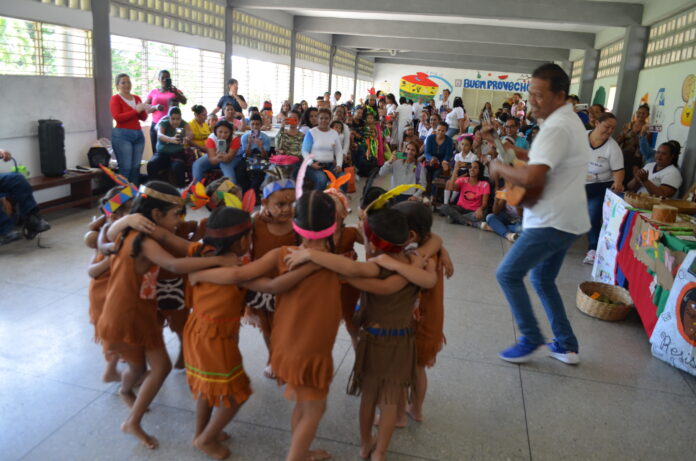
{"x":255,"y":149}
{"x":289,"y":138}
{"x":324,"y":144}
{"x":222,"y":146}
{"x":127,"y":137}
{"x":162,"y":99}
{"x":172,"y":137}
{"x":16,"y":187}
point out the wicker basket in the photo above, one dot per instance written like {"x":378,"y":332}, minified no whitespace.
{"x":643,"y":202}
{"x":684,"y":206}
{"x":600,"y":310}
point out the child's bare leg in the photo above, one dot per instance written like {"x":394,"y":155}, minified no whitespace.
{"x":160,"y":366}
{"x":111,"y":374}
{"x":203,"y":412}
{"x":129,"y":378}
{"x":387,"y":424}
{"x":209,"y":440}
{"x":367,"y":416}
{"x":304,"y":431}
{"x":179,"y":364}
{"x":401,"y":418}
{"x":415,"y":408}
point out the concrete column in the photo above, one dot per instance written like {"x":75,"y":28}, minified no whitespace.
{"x":355,"y":81}
{"x":588,"y":76}
{"x":293,"y":50}
{"x":101,"y":67}
{"x":332,"y":55}
{"x":632,"y":58}
{"x":229,"y":27}
{"x":688,"y":168}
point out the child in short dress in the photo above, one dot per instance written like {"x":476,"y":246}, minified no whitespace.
{"x":306,"y":320}
{"x":430,"y":336}
{"x":345,"y":239}
{"x":129,"y":325}
{"x":272,"y":229}
{"x":386,"y":356}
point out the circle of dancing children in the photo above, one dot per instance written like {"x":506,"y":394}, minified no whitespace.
{"x":238,"y":268}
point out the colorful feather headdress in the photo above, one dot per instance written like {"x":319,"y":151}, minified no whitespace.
{"x":383,"y":199}
{"x":128,"y":192}
{"x":196,"y":194}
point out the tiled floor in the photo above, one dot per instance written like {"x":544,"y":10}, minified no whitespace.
{"x":619,"y":403}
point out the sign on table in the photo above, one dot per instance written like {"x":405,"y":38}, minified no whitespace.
{"x":613,"y":213}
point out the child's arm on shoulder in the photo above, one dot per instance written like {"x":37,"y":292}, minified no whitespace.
{"x":96,"y":269}
{"x":135,"y":221}
{"x":424,"y":278}
{"x":104,"y":245}
{"x":431,"y":246}
{"x":283,"y":282}
{"x":162,"y":258}
{"x":239,"y":274}
{"x":337,"y":263}
{"x":178,"y":246}
{"x":387,"y":286}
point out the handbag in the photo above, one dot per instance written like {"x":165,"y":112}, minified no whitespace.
{"x":98,"y":156}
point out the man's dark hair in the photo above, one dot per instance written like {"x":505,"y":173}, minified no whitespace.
{"x":337,"y":93}
{"x":555,"y":75}
{"x":255,"y":118}
{"x":575,"y":98}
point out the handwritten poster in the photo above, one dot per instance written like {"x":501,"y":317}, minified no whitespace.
{"x":613,"y":213}
{"x":674,"y":337}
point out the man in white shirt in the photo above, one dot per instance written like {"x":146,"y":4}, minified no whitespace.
{"x":417,"y":110}
{"x":555,"y":174}
{"x":335,"y":98}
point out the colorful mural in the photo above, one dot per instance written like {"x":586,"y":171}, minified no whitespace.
{"x":422,"y":85}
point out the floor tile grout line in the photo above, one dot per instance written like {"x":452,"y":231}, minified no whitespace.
{"x":62,"y":425}
{"x":693,"y":389}
{"x":524,"y":410}
{"x":596,"y":381}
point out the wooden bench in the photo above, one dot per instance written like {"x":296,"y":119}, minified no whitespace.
{"x":81,"y":194}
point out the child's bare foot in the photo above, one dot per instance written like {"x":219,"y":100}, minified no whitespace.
{"x":215,"y":449}
{"x":111,"y":376}
{"x":417,"y":416}
{"x":222,"y":436}
{"x":375,"y":456}
{"x":128,"y":397}
{"x":400,"y":423}
{"x":366,"y":449}
{"x":135,"y":429}
{"x":268,"y":372}
{"x":318,"y":455}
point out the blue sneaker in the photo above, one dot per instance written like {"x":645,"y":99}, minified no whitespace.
{"x":558,"y":352}
{"x":521,"y":352}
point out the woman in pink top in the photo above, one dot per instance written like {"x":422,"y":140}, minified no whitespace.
{"x":127,"y":138}
{"x":162,"y":99}
{"x":474,"y":190}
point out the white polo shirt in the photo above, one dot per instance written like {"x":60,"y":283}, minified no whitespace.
{"x":668,"y":176}
{"x":605,"y":160}
{"x":562,"y":146}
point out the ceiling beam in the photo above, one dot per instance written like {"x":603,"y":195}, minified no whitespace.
{"x":474,"y":64}
{"x":443,"y":46}
{"x":510,"y":62}
{"x":567,"y":11}
{"x":453,"y":32}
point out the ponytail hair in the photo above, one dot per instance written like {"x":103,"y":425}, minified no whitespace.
{"x":198,"y":109}
{"x":316,"y":211}
{"x":674,"y":149}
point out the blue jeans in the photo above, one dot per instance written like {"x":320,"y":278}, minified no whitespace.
{"x":595,"y":202}
{"x":128,"y":146}
{"x":319,"y":178}
{"x":203,"y":165}
{"x":452,"y":131}
{"x":540,"y":250}
{"x":504,"y":223}
{"x":15,"y":186}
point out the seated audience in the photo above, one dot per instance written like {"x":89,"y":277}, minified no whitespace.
{"x":199,"y":126}
{"x":438,"y":148}
{"x":222,"y":147}
{"x":285,"y":108}
{"x":324,"y":144}
{"x":630,"y":147}
{"x":474,"y":191}
{"x":173,"y":133}
{"x":457,"y":119}
{"x":605,"y":170}
{"x":309,"y":120}
{"x":511,"y":130}
{"x":230,"y":115}
{"x":661,"y":178}
{"x":405,"y":170}
{"x":255,"y":146}
{"x":16,"y":187}
{"x":289,"y":138}
{"x":505,"y":219}
{"x":424,"y":127}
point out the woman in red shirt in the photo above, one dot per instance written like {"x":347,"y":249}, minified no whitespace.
{"x":474,"y":190}
{"x":127,"y":138}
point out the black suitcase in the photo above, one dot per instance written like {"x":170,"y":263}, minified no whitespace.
{"x":52,"y":147}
